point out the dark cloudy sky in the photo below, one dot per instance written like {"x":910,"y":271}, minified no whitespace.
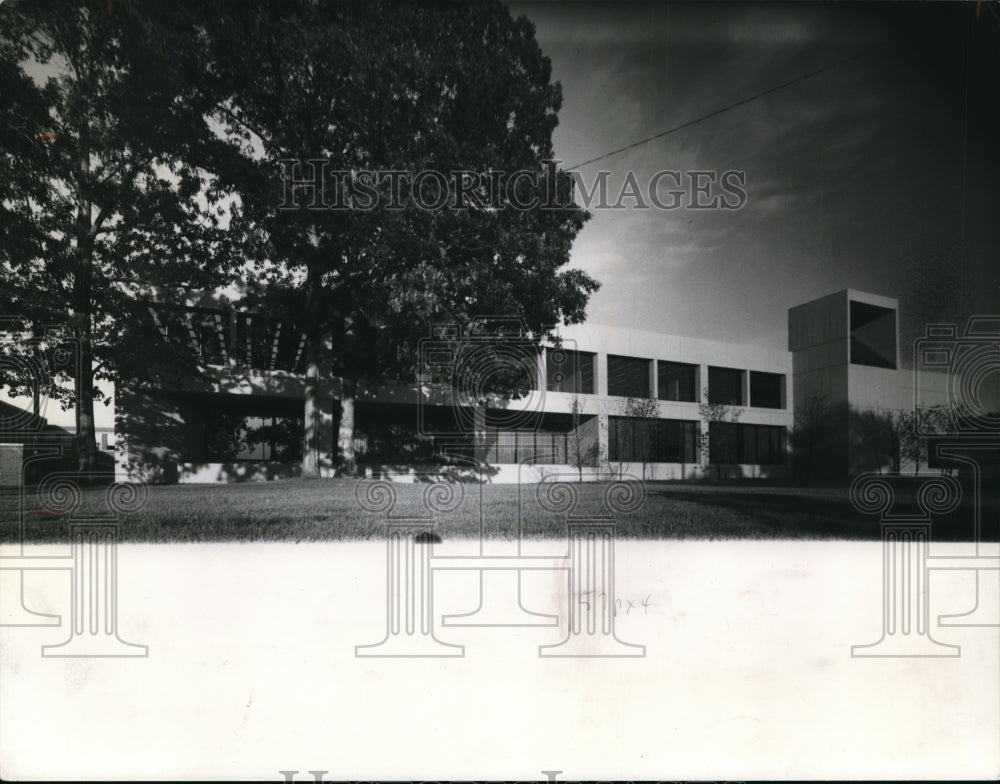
{"x":881,"y":174}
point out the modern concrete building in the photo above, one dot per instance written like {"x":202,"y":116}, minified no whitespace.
{"x":722,"y":409}
{"x":243,"y":418}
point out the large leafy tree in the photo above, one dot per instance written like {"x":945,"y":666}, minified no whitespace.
{"x":105,"y":197}
{"x":386,"y":87}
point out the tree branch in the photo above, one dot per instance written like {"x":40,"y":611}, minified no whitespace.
{"x":102,"y":216}
{"x":240,"y":121}
{"x":115,"y":171}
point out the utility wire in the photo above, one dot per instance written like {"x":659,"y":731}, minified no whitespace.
{"x":742,"y":102}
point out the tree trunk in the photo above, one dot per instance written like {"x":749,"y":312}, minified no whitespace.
{"x":86,"y":434}
{"x":345,"y":432}
{"x":312,"y":413}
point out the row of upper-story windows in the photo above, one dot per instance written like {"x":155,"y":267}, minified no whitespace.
{"x":230,"y":337}
{"x":259,"y":342}
{"x":575,"y":372}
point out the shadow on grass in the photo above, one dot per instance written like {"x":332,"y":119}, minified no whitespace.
{"x":824,"y":512}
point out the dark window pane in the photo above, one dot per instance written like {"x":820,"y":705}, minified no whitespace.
{"x":628,"y":376}
{"x":765,"y":389}
{"x":873,"y":335}
{"x":725,"y":385}
{"x":652,"y":440}
{"x":569,"y":371}
{"x":723,"y":442}
{"x":692,"y":433}
{"x":729,"y":442}
{"x":232,"y":434}
{"x":619,"y":439}
{"x":668,"y":441}
{"x":677,"y":381}
{"x":763,"y":444}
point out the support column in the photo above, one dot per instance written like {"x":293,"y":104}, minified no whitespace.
{"x":603,"y":437}
{"x":601,"y":374}
{"x":700,"y":394}
{"x":479,"y":433}
{"x":591,"y":618}
{"x":327,"y":432}
{"x":409,"y":597}
{"x":541,"y":377}
{"x":94,"y":596}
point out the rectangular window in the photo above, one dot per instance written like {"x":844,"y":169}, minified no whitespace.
{"x":652,"y":440}
{"x":531,"y":446}
{"x":676,"y":441}
{"x":731,"y":443}
{"x":723,"y":443}
{"x":232,"y":436}
{"x":873,"y":335}
{"x":569,"y":371}
{"x":677,"y":381}
{"x":762,"y":444}
{"x":550,"y":448}
{"x":766,"y":389}
{"x":504,"y":447}
{"x":725,"y":385}
{"x":628,"y":376}
{"x":619,"y":442}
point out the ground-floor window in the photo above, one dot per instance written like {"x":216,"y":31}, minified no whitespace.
{"x":499,"y":446}
{"x":731,"y":442}
{"x":652,"y":440}
{"x":531,"y":446}
{"x":252,"y":430}
{"x":388,"y":433}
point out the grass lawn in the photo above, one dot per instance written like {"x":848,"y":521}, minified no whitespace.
{"x":323,"y":510}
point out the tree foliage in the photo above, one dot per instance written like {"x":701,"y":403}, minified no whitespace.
{"x":102,"y":199}
{"x":376,"y":88}
{"x":140,"y":145}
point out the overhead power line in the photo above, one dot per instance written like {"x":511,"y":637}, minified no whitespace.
{"x":743,"y":102}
